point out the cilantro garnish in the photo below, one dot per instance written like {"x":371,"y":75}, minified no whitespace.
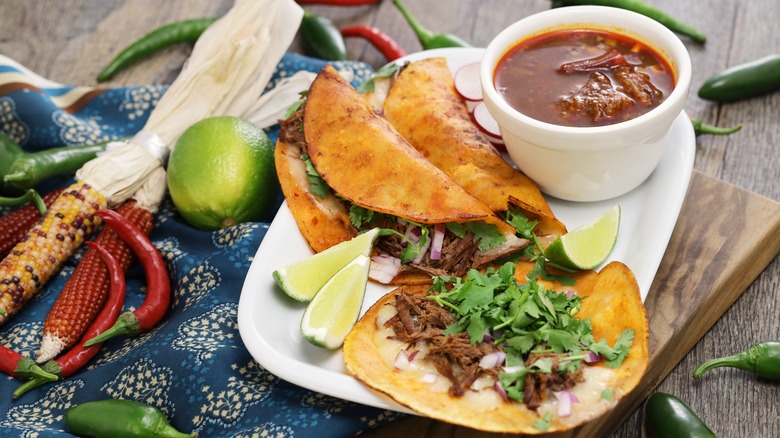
{"x":360,"y":216}
{"x":486,"y":235}
{"x":607,"y":394}
{"x":317,"y":185}
{"x":523,"y":317}
{"x":384,"y":72}
{"x":415,"y":249}
{"x":294,"y":107}
{"x":543,"y":423}
{"x":525,"y":228}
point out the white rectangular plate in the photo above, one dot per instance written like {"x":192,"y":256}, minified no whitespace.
{"x":269,"y":321}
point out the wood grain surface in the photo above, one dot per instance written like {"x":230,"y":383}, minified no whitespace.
{"x":716,"y":291}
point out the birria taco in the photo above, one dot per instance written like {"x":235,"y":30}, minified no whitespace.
{"x":343,"y":168}
{"x":424,"y":107}
{"x":493,"y":353}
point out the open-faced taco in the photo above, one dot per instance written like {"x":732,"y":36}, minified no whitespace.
{"x":424,"y":107}
{"x":493,"y":353}
{"x":343,"y":168}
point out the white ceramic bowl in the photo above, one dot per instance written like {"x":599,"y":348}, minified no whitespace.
{"x":588,"y":163}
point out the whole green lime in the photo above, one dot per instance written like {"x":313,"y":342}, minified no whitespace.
{"x":221,"y":173}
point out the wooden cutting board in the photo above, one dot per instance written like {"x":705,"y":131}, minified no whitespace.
{"x":724,"y":238}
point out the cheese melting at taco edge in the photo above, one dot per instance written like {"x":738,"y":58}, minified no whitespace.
{"x":404,"y":347}
{"x":424,"y":107}
{"x":343,"y":168}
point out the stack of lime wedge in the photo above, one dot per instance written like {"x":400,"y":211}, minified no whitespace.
{"x":334,"y":283}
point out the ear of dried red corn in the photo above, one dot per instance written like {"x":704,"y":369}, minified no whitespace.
{"x":14,"y":225}
{"x":47,"y":245}
{"x":86,"y":290}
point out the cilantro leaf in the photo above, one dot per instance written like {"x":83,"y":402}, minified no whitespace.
{"x":607,"y":394}
{"x":294,"y":107}
{"x":486,"y":235}
{"x":543,"y":423}
{"x":384,"y":72}
{"x":317,"y":185}
{"x":623,"y":343}
{"x":415,"y":249}
{"x":359,"y":215}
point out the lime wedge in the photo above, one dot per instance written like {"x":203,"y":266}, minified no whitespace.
{"x":589,"y":245}
{"x":336,"y":307}
{"x":302,"y":279}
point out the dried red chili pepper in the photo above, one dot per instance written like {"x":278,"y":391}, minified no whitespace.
{"x":389,"y":48}
{"x":79,"y":355}
{"x":158,"y":288}
{"x":16,"y":365}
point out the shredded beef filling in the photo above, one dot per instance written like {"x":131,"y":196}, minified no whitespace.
{"x":537,"y":384}
{"x":457,"y":255}
{"x":422,"y":320}
{"x":291,"y":130}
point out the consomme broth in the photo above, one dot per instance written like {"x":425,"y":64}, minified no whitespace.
{"x":583,"y":78}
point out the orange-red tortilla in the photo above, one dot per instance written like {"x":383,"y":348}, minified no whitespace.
{"x":364,"y":159}
{"x":423,"y":106}
{"x":611,"y":301}
{"x":324,"y":222}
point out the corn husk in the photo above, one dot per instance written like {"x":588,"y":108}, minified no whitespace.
{"x":230,"y":65}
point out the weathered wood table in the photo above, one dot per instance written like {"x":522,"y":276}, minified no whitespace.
{"x":722,"y":251}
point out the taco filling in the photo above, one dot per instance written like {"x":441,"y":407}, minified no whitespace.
{"x":489,"y":352}
{"x":431,"y":225}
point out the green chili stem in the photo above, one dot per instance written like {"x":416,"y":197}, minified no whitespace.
{"x":700,"y":128}
{"x":30,"y":195}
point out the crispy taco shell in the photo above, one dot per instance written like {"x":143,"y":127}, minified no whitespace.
{"x":612,"y":303}
{"x":324,"y":222}
{"x":364,"y":159}
{"x":423,"y":106}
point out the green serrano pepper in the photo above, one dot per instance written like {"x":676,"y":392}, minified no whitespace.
{"x":120,"y":418}
{"x":321,"y":38}
{"x":164,"y":36}
{"x":643,"y":8}
{"x":29,"y":169}
{"x":20,"y":170}
{"x":761,"y":359}
{"x":742,"y":81}
{"x":666,"y":416}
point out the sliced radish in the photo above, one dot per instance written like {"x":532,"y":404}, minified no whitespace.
{"x":467,"y":82}
{"x":485,"y":121}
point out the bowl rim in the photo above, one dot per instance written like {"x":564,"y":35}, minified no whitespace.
{"x":663,"y":40}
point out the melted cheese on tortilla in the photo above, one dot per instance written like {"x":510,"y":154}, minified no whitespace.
{"x":597,"y":378}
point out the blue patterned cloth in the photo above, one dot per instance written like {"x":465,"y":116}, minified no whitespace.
{"x":193,"y":366}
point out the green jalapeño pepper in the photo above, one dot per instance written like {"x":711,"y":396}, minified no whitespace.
{"x":321,"y":38}
{"x":742,"y":81}
{"x":666,"y":416}
{"x":761,"y":359}
{"x":645,"y":9}
{"x":120,"y":418}
{"x":428,"y":38}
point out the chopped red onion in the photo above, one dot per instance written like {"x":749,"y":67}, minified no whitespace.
{"x":401,"y":360}
{"x":593,"y":357}
{"x":413,"y":233}
{"x":423,"y":250}
{"x":492,"y":360}
{"x":500,"y":390}
{"x":565,"y":400}
{"x":438,"y":241}
{"x":384,"y":268}
{"x":570,"y":293}
{"x":429,"y":377}
{"x":486,"y":338}
{"x":413,"y":355}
